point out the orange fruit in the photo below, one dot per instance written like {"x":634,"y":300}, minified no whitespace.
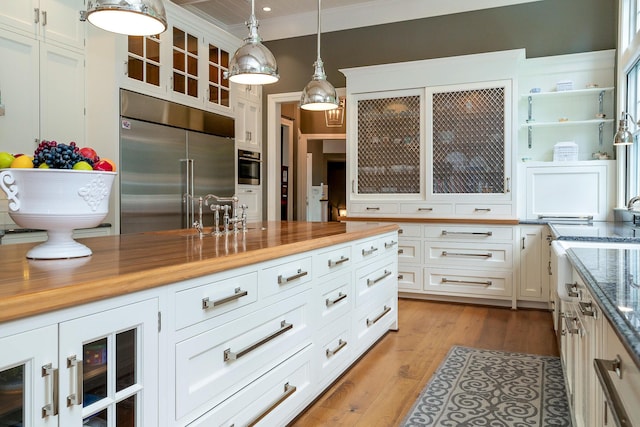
{"x":22,"y":162}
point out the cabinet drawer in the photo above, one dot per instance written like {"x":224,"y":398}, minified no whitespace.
{"x":466,"y":254}
{"x":275,"y":396}
{"x":373,"y":208}
{"x":213,"y":299}
{"x":482,"y":210}
{"x":410,"y":230}
{"x":337,"y":297}
{"x":334,"y":349}
{"x":375,"y":281}
{"x":409,"y":251}
{"x":468,"y":282}
{"x":409,"y":278}
{"x":466,"y":232}
{"x":372,"y":321}
{"x":426,"y":209}
{"x":332,"y":261}
{"x":285,"y":276}
{"x":213,"y":365}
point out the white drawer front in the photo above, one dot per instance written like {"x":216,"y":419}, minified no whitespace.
{"x":334,"y":348}
{"x":426,"y":209}
{"x":463,"y":254}
{"x":374,"y":320}
{"x":468,"y":282}
{"x":375,"y":281}
{"x":410,"y":230}
{"x":409,"y":278}
{"x":484,"y":211}
{"x":409,"y":251}
{"x":274,"y":397}
{"x":214,"y":299}
{"x":337,"y":297}
{"x":373,"y":208}
{"x":332,"y":261}
{"x":470,"y":233}
{"x":284,"y":277}
{"x":213,"y":365}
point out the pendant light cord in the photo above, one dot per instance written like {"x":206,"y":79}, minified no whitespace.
{"x":319,"y":25}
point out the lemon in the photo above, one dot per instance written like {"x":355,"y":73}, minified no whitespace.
{"x":22,"y":162}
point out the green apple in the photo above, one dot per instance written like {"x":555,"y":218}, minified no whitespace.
{"x":6,"y":159}
{"x":82,"y":165}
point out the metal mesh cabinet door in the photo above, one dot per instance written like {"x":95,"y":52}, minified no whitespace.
{"x":469,"y":134}
{"x":388,"y":140}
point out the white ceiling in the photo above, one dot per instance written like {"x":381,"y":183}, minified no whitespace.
{"x":292,"y":18}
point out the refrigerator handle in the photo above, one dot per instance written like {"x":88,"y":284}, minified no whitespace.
{"x":191,"y":188}
{"x":187,"y":220}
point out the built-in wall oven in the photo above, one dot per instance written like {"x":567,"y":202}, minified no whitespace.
{"x":249,"y":167}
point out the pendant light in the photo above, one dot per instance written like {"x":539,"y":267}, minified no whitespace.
{"x":131,"y":17}
{"x":623,"y":136}
{"x":253,"y":63}
{"x":319,"y":94}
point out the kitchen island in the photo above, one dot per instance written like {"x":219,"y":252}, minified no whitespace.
{"x":230,"y":329}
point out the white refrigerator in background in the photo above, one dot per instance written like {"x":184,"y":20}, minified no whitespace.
{"x":318,"y":209}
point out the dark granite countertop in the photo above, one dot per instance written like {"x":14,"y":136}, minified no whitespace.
{"x":613,"y":277}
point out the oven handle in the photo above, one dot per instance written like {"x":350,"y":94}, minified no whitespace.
{"x":602,"y":368}
{"x":250,"y":159}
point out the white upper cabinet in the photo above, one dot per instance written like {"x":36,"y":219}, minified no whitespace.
{"x":53,"y":21}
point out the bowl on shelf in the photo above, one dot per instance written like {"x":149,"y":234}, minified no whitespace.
{"x":57,"y":201}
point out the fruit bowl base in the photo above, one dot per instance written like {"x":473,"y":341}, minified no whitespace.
{"x":59,"y":245}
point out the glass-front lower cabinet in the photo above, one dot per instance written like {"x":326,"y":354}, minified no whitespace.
{"x":99,"y":370}
{"x":109,"y":368}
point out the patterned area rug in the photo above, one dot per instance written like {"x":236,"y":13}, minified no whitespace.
{"x":475,"y":387}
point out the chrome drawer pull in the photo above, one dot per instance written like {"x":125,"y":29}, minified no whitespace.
{"x":379,"y":316}
{"x":400,"y":277}
{"x":230,"y":355}
{"x":386,"y":274}
{"x":567,"y":322}
{"x":487,"y":255}
{"x":572,"y":289}
{"x":425,"y":209}
{"x":74,"y":363}
{"x":390,"y":244}
{"x":470,"y":233}
{"x":372,"y":208}
{"x":586,"y":308}
{"x":400,"y":251}
{"x":51,"y":408}
{"x":482,"y":210}
{"x":366,"y":252}
{"x":282,"y":280}
{"x":342,"y":259}
{"x":610,"y":393}
{"x":288,"y":391}
{"x":340,"y":297}
{"x":341,"y":345}
{"x":471,"y":282}
{"x":237,"y":294}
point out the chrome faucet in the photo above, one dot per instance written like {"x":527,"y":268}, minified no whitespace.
{"x":197,"y":224}
{"x":632,"y":202}
{"x":229,"y":218}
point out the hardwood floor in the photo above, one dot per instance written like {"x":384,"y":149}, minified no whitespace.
{"x":381,"y":388}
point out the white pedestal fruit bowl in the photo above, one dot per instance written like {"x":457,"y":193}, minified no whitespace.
{"x":58,"y":201}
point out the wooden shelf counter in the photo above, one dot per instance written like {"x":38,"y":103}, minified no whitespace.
{"x":122,"y":264}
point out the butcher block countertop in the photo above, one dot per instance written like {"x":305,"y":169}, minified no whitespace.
{"x":122,"y":264}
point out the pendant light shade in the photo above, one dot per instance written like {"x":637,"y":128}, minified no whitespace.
{"x":253,"y":63}
{"x":131,"y":17}
{"x":623,"y":136}
{"x":319,"y":94}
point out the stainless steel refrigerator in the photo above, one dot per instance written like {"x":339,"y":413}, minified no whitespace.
{"x":168,"y":151}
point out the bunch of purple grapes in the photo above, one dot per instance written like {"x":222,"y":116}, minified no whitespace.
{"x":58,"y":156}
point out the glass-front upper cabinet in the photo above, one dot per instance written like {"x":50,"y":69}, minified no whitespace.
{"x":185,"y":63}
{"x":29,"y":378}
{"x":218,"y":91}
{"x":389,"y":132}
{"x":143,"y":61}
{"x":469,"y":140}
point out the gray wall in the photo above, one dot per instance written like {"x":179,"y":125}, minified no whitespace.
{"x":544,"y":28}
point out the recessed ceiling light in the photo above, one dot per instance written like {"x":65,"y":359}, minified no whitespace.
{"x":266,"y":9}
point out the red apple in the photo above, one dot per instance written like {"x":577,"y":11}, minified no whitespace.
{"x":89,"y":153}
{"x":103,"y":165}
